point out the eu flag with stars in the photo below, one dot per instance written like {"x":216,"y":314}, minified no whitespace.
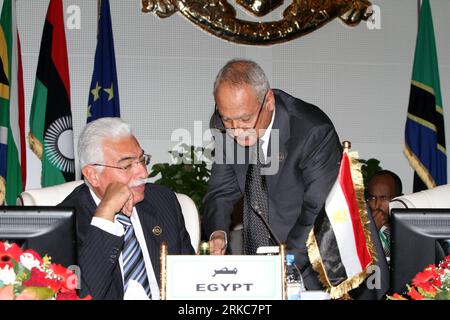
{"x":104,"y":91}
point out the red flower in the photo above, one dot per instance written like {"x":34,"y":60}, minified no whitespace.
{"x":445,"y":264}
{"x":397,"y":296}
{"x":55,"y":284}
{"x":428,"y":279}
{"x":9,"y":253}
{"x":37,"y":279}
{"x":5,"y":260}
{"x":60,"y":271}
{"x":414,"y":294}
{"x":68,"y":280}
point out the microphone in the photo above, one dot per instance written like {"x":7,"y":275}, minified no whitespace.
{"x":257,"y":210}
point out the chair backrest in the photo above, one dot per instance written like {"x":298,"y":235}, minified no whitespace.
{"x":438,"y":197}
{"x":191,"y":219}
{"x":51,"y":196}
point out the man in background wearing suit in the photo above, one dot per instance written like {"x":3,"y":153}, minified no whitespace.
{"x":306,"y":158}
{"x":121,"y":220}
{"x":383,"y":186}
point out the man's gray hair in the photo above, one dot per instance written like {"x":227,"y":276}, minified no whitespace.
{"x":238,"y":72}
{"x":90,"y":148}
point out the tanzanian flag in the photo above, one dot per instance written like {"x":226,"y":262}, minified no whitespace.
{"x":51,"y":133}
{"x":12,"y":114}
{"x":104,"y":91}
{"x":424,"y":132}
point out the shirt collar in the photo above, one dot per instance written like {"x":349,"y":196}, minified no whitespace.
{"x":265,"y":138}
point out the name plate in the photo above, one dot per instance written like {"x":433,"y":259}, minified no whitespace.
{"x":224,"y":277}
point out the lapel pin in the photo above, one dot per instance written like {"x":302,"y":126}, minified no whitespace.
{"x":157,"y":230}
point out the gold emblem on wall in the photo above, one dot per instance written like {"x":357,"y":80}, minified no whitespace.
{"x":300,"y":17}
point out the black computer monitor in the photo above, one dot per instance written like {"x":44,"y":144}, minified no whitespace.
{"x":419,"y":237}
{"x":46,"y":230}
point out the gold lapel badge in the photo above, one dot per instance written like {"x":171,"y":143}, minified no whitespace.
{"x":157,"y":230}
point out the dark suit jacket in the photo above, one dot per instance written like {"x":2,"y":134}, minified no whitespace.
{"x":309,"y":153}
{"x":98,"y":251}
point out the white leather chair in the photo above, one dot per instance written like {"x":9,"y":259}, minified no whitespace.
{"x":51,"y":196}
{"x":438,"y":197}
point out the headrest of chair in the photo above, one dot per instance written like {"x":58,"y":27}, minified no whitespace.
{"x":49,"y":196}
{"x":438,"y":197}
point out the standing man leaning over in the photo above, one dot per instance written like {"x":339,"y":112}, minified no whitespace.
{"x":306,"y":158}
{"x":121,"y":224}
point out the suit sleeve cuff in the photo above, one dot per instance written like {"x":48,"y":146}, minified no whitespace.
{"x":114,"y":228}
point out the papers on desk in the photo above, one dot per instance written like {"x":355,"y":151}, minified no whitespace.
{"x":268,"y":250}
{"x":314,"y":295}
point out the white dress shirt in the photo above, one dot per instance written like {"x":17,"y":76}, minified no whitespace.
{"x":117,"y":229}
{"x":265,"y":138}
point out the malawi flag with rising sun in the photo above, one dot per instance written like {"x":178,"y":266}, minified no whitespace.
{"x":51,"y":133}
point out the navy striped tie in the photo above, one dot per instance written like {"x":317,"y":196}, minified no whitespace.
{"x":133,"y":260}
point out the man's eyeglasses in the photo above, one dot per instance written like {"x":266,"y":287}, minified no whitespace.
{"x":143,"y":160}
{"x":221,"y":127}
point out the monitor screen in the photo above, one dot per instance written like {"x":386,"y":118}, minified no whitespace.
{"x":47,"y":230}
{"x":419,"y":237}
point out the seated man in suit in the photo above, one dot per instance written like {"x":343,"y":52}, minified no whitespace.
{"x":121,"y":221}
{"x":298,"y":154}
{"x":383,"y":186}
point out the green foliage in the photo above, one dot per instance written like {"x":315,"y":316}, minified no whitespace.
{"x":188,"y":173}
{"x":368,"y":169}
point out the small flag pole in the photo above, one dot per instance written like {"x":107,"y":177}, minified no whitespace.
{"x":99,"y":4}
{"x":418,"y":14}
{"x":347,"y":145}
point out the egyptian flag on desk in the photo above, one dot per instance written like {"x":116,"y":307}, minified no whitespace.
{"x":51,"y":133}
{"x":339,"y":246}
{"x":424,"y":132}
{"x":104,"y":91}
{"x":12,"y":112}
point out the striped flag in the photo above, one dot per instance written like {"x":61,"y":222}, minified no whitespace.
{"x":12,"y":114}
{"x":51,"y":133}
{"x":339,"y":246}
{"x":104,"y":91}
{"x":424,"y":131}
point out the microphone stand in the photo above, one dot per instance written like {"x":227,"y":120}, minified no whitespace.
{"x":282,"y":248}
{"x":273,"y":236}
